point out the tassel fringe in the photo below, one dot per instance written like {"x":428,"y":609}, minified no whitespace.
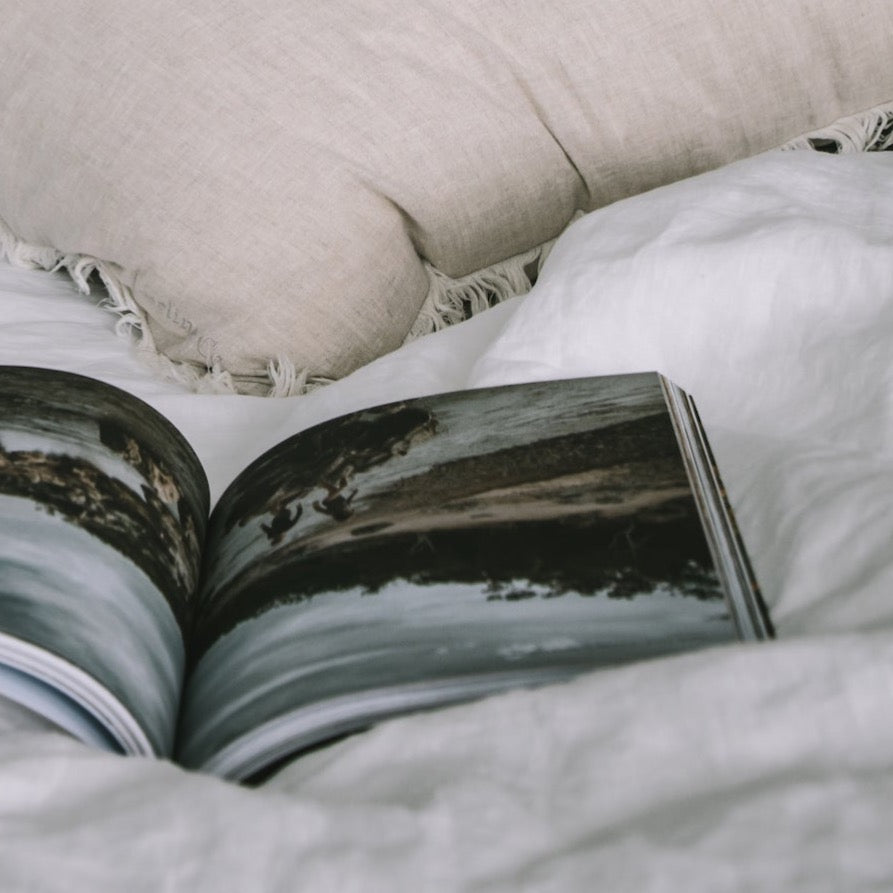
{"x":870,"y":131}
{"x":448,"y":300}
{"x":452,"y":300}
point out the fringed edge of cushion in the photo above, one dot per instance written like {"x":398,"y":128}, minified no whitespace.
{"x":281,"y":378}
{"x":131,"y":322}
{"x":448,"y":301}
{"x":453,"y":300}
{"x":869,"y":131}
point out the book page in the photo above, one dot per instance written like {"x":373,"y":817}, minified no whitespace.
{"x":439,"y":549}
{"x":103,"y":509}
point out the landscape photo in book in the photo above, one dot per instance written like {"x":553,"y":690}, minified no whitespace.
{"x":103,"y":508}
{"x":441,"y":548}
{"x":398,"y":558}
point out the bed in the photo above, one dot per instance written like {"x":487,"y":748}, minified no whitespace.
{"x":762,"y":286}
{"x":746,"y":767}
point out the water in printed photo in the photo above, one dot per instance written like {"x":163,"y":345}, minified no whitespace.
{"x":102,"y":512}
{"x":300,"y":656}
{"x":69,"y":593}
{"x":532,"y":531}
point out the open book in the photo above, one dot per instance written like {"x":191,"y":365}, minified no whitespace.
{"x":395,"y":559}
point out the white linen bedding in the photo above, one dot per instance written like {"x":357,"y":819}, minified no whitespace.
{"x":766,"y":290}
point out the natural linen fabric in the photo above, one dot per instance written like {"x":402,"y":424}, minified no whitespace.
{"x":276,"y":186}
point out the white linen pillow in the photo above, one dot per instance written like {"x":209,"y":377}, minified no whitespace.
{"x":274,"y":186}
{"x":744,"y":283}
{"x":765,"y":289}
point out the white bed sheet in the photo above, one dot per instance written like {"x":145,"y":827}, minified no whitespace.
{"x":766,"y":289}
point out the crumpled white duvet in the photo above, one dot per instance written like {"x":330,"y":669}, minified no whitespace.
{"x":766,"y":290}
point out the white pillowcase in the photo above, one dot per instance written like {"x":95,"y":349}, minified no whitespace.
{"x":765,"y":289}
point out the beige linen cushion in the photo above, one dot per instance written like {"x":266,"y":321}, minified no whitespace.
{"x":270,"y":186}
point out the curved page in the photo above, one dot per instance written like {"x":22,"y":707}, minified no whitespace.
{"x":440,"y":549}
{"x":103,"y":508}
